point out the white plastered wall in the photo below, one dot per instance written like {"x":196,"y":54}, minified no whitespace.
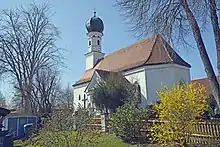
{"x":159,"y":76}
{"x":92,"y":58}
{"x":93,"y":38}
{"x":89,"y":61}
{"x":79,"y":90}
{"x":139,"y":76}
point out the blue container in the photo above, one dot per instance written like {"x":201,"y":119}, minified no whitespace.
{"x":15,"y":124}
{"x":6,"y":139}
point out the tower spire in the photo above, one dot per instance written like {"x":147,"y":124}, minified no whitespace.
{"x":95,"y":29}
{"x":94,"y":12}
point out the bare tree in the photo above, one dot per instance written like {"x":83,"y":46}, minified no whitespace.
{"x":216,"y":29}
{"x":16,"y":102}
{"x":44,"y":91}
{"x":27,"y":45}
{"x":175,"y":20}
{"x":65,"y":97}
{"x":2,"y":100}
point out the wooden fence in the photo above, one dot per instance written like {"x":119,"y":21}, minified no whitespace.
{"x":206,"y":132}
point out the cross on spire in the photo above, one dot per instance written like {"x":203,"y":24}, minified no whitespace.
{"x":94,"y":11}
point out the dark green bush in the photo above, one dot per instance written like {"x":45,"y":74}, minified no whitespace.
{"x":127,"y":121}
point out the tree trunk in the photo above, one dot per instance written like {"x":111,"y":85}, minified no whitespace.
{"x":203,"y":53}
{"x":216,"y":30}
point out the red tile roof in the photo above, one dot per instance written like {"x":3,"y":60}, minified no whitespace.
{"x":149,"y":51}
{"x":103,"y":73}
{"x":205,"y":83}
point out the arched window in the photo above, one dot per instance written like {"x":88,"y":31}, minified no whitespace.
{"x":89,"y":42}
{"x":79,"y":97}
{"x":139,"y":93}
{"x":139,"y":88}
{"x":84,"y":101}
{"x":98,"y":42}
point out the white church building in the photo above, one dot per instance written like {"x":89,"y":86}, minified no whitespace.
{"x":151,"y":62}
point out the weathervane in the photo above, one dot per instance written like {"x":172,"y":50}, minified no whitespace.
{"x":94,"y":11}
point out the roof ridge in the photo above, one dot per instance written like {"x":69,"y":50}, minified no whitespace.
{"x":155,"y":40}
{"x":172,"y":54}
{"x":165,"y":47}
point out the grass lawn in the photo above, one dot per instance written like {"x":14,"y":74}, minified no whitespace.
{"x":104,"y":141}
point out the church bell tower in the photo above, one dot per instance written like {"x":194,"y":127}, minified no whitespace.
{"x":95,"y":29}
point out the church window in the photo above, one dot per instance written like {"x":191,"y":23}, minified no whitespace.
{"x":79,"y":97}
{"x":139,"y":93}
{"x":89,"y":42}
{"x":98,"y":42}
{"x":139,"y":88}
{"x":84,"y":101}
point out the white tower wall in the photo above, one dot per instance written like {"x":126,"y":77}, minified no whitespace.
{"x":94,"y":41}
{"x":94,"y":48}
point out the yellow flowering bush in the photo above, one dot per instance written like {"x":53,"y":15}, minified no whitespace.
{"x":179,"y":109}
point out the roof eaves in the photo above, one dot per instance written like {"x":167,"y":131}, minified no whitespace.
{"x":81,"y":82}
{"x":147,"y":64}
{"x":95,"y":72}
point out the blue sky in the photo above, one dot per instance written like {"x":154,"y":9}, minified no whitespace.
{"x":70,"y":17}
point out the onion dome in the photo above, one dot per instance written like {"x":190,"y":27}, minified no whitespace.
{"x":95,"y":24}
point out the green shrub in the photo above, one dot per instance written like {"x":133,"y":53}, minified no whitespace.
{"x":58,"y":130}
{"x":127,"y":122}
{"x":101,"y":140}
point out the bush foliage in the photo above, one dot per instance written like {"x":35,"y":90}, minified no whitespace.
{"x":127,"y":122}
{"x":179,"y":109}
{"x":113,"y":91}
{"x":58,"y":130}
